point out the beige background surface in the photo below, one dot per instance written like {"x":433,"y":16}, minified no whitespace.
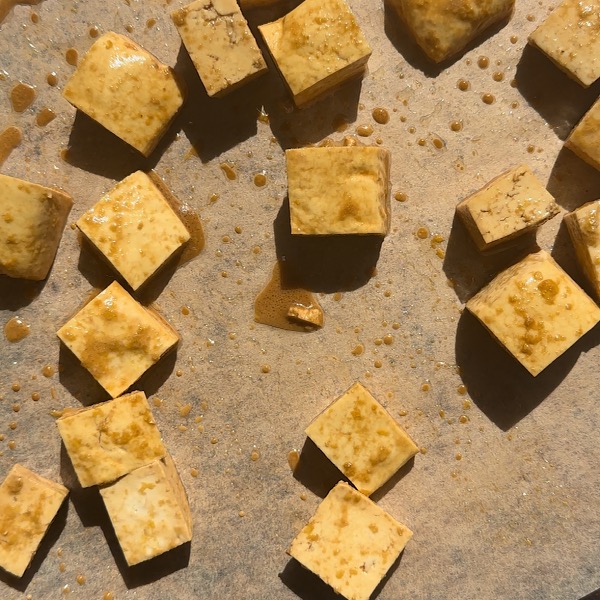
{"x":516,"y":517}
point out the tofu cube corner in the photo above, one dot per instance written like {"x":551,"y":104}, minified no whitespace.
{"x":350,"y":543}
{"x":362,"y":439}
{"x":28,"y":505}
{"x":584,"y":140}
{"x":339,"y":190}
{"x":32,"y":220}
{"x":127,"y":90}
{"x":108,"y":440}
{"x":135,"y":228}
{"x":117,"y":339}
{"x":317,"y":47}
{"x":149,"y":511}
{"x":535,"y":310}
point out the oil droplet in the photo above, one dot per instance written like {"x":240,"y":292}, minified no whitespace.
{"x":255,"y":454}
{"x":35,"y":18}
{"x":94,"y":31}
{"x":108,"y":595}
{"x":463,"y":419}
{"x":35,"y":396}
{"x":378,"y":341}
{"x":13,"y":425}
{"x":400,"y":197}
{"x":388,"y":339}
{"x":421,"y":141}
{"x":403,"y":412}
{"x":411,"y":130}
{"x":265,"y":368}
{"x":456,"y":125}
{"x":498,"y":76}
{"x":488,"y":98}
{"x":157,"y":402}
{"x":129,"y":28}
{"x":338,"y":296}
{"x":466,"y":404}
{"x":45,"y":116}
{"x":396,"y":326}
{"x":531,"y":149}
{"x":483,"y":62}
{"x":80,"y":579}
{"x":531,"y":18}
{"x":66,"y":589}
{"x":229,"y":171}
{"x":364,"y":130}
{"x":48,"y":371}
{"x":303,"y":496}
{"x":185,"y":310}
{"x":62,"y":567}
{"x":458,"y":456}
{"x":16,"y":329}
{"x":21,"y":96}
{"x":293,"y":459}
{"x":185,"y":410}
{"x":462,"y":389}
{"x":425,"y":387}
{"x":52,"y":79}
{"x":12,"y":444}
{"x":10,"y":138}
{"x":422,"y":233}
{"x":358,"y":350}
{"x":150,"y":23}
{"x":16,"y":387}
{"x":214,"y":440}
{"x":16,"y":407}
{"x":381,"y":115}
{"x":260,"y":180}
{"x":72,"y":57}
{"x":423,"y":450}
{"x":442,"y":413}
{"x":463,"y":85}
{"x":378,"y":364}
{"x":194,"y":472}
{"x":514,"y":39}
{"x":438,"y":143}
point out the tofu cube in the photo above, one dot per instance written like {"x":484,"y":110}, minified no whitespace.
{"x":220,"y":44}
{"x":110,"y":439}
{"x":317,"y":47}
{"x":350,"y":543}
{"x":583,"y":225}
{"x":127,"y":90}
{"x":570,"y":37}
{"x":117,"y":339}
{"x":135,"y":228}
{"x":535,"y":310}
{"x":341,"y":190}
{"x":584,"y":140}
{"x":361,"y":439}
{"x":28,"y":505}
{"x":444,"y":27}
{"x":149,"y":511}
{"x":508,"y":206}
{"x":32,"y":220}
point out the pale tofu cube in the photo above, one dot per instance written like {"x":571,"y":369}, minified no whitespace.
{"x":361,"y":439}
{"x":570,"y":37}
{"x":149,"y":511}
{"x":117,"y":339}
{"x":28,"y":505}
{"x":508,"y":206}
{"x":444,"y":27}
{"x":350,"y":543}
{"x":584,"y":140}
{"x":135,"y":228}
{"x":127,"y":90}
{"x":317,"y":47}
{"x":583,"y":225}
{"x":535,"y":310}
{"x":220,"y":44}
{"x":110,"y":439}
{"x":341,"y":190}
{"x":32,"y":220}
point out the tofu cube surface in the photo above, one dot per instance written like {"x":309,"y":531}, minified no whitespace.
{"x":28,"y":505}
{"x":220,"y":44}
{"x":443,"y":28}
{"x":125,"y":89}
{"x":535,"y":310}
{"x":135,"y":228}
{"x":584,"y":140}
{"x":339,"y":190}
{"x":32,"y":220}
{"x":570,"y":37}
{"x":350,"y":543}
{"x":149,"y":511}
{"x":110,"y":439}
{"x":583,"y":225}
{"x":117,"y":339}
{"x":361,"y":439}
{"x":316,"y":47}
{"x":510,"y":205}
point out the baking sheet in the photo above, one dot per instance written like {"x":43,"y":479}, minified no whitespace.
{"x":516,"y":517}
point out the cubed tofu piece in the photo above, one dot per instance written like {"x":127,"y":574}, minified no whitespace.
{"x":317,"y":47}
{"x":341,"y":190}
{"x":117,"y":339}
{"x":444,"y":27}
{"x":583,"y":225}
{"x":127,"y":90}
{"x":584,"y":140}
{"x":535,"y":310}
{"x":28,"y":505}
{"x":32,"y":220}
{"x":220,"y":44}
{"x":350,"y":543}
{"x":110,"y":439}
{"x":511,"y":204}
{"x":149,"y":511}
{"x":135,"y":228}
{"x":361,"y":439}
{"x":570,"y":37}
